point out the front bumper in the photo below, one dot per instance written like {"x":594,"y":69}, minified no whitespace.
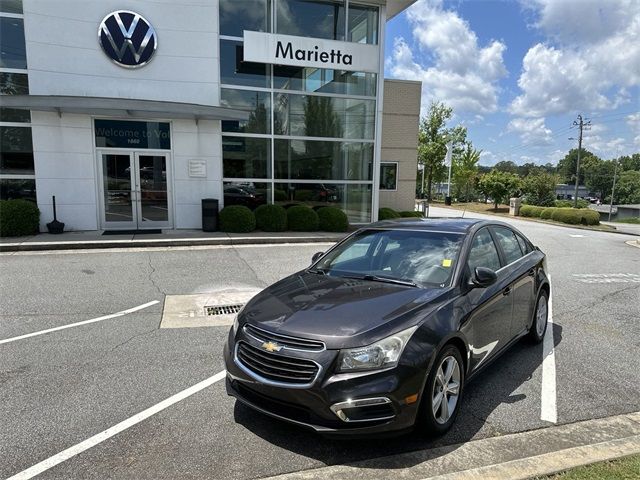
{"x":311,"y":407}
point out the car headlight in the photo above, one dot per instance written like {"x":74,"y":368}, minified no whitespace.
{"x":236,"y":321}
{"x":382,"y":354}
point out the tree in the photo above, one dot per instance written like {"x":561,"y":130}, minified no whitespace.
{"x":465,"y":170}
{"x":628,"y":188}
{"x":432,"y":142}
{"x":540,"y":188}
{"x":499,"y":185}
{"x":598,"y":175}
{"x":567,"y":166}
{"x":506,"y":166}
{"x":630,"y":162}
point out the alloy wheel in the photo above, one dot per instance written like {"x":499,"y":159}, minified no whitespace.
{"x":541,"y":316}
{"x":446,"y":390}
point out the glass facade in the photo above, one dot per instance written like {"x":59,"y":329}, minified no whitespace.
{"x":310,"y":136}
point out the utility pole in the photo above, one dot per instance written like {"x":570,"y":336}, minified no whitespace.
{"x":581,"y":124}
{"x":613,"y":190}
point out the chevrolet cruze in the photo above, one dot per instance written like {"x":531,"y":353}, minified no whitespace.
{"x":382,"y":331}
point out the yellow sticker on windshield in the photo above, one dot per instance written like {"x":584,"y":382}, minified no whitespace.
{"x":446,"y":262}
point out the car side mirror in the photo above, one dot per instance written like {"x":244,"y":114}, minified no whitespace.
{"x":483,"y":277}
{"x":316,"y":257}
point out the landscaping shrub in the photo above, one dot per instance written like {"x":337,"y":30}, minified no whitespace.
{"x":280,"y":195}
{"x":303,"y":195}
{"x":569,"y":203}
{"x":571,"y":216}
{"x":302,"y":219}
{"x":332,"y":219}
{"x":387,"y":214}
{"x":271,"y":218}
{"x":546,"y":213}
{"x":531,"y":211}
{"x":237,"y":219}
{"x":18,"y":217}
{"x":589,"y":217}
{"x":411,"y":213}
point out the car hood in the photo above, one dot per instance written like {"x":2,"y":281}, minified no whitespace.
{"x":341,"y":312}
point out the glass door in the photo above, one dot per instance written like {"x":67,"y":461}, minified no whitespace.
{"x":152,"y":193}
{"x":118,"y":191}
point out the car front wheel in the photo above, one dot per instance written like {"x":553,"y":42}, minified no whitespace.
{"x":443,"y":392}
{"x":540,"y":318}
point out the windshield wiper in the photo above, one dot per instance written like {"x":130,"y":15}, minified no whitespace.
{"x":318,"y":271}
{"x":377,"y":278}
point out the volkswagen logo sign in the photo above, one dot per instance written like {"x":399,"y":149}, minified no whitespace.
{"x":127,"y":38}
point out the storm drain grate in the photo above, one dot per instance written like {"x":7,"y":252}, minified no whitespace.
{"x":223,"y":309}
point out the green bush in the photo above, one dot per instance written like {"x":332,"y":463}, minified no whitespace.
{"x":18,"y":217}
{"x":280,"y":195}
{"x":531,"y":211}
{"x":237,"y":219}
{"x":332,"y":219}
{"x":546,"y":213}
{"x":387,"y":214}
{"x":571,"y":216}
{"x":271,"y":218}
{"x":589,"y":217}
{"x":303,"y":195}
{"x":569,"y":203}
{"x":302,"y":219}
{"x":411,"y":213}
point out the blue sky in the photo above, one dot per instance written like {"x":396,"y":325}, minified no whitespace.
{"x":518,"y":72}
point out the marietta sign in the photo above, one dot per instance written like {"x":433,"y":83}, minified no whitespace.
{"x":310,"y":52}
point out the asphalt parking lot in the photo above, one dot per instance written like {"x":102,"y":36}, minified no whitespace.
{"x":62,"y":388}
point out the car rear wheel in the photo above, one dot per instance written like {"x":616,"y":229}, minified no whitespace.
{"x":540,"y":318}
{"x":442,"y":393}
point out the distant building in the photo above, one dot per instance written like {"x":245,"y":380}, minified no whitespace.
{"x":565,"y":191}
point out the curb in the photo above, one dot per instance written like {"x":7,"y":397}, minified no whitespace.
{"x":516,"y":456}
{"x":161,"y":242}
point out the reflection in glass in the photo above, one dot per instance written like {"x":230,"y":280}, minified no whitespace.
{"x":257,"y":103}
{"x":248,"y":194}
{"x":235,"y":71}
{"x":311,"y":18}
{"x":323,"y":160}
{"x":239,"y":15}
{"x":353,"y":199}
{"x":16,"y":151}
{"x":118,"y":205}
{"x":11,"y":6}
{"x":363,"y":24}
{"x":14,"y":83}
{"x":13,"y":53}
{"x":153,"y":188}
{"x":311,"y":116}
{"x":311,"y":79}
{"x":17,"y":188}
{"x":388,"y":176}
{"x":14,"y":115}
{"x":244,"y":157}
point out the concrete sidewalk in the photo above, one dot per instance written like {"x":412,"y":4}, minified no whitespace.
{"x":168,"y":238}
{"x":628,"y":228}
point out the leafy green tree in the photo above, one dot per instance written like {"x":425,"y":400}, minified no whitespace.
{"x":433,"y":137}
{"x":499,"y":186}
{"x":628,"y":188}
{"x":630,"y":162}
{"x":567,"y":166}
{"x":506,"y":166}
{"x":598,"y":175}
{"x":539,"y":188}
{"x":465,"y":171}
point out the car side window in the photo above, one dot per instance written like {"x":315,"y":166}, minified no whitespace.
{"x":524,"y":245}
{"x":509,"y":243}
{"x":483,"y":252}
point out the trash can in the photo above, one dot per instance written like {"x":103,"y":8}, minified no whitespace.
{"x":209,"y":214}
{"x":447,"y":200}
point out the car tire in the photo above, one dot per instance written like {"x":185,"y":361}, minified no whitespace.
{"x":540,"y":319}
{"x":433,"y":422}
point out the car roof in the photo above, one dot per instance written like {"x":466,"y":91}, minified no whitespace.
{"x":440,"y":224}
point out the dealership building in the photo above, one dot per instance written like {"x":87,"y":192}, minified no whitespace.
{"x":132,"y":112}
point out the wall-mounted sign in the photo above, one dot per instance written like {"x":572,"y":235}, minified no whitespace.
{"x":197,"y":167}
{"x":130,"y":134}
{"x":310,"y":52}
{"x":127,"y":38}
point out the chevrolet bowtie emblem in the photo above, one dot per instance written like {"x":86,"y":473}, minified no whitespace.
{"x":271,"y":347}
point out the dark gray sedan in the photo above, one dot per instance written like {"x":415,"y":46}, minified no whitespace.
{"x":382,"y":331}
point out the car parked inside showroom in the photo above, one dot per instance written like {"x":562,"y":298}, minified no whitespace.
{"x":382,"y":332}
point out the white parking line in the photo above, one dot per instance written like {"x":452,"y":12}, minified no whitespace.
{"x":77,"y":324}
{"x":110,"y":432}
{"x":548,"y":410}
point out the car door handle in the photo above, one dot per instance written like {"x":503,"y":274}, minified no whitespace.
{"x":532,"y":272}
{"x":506,"y":291}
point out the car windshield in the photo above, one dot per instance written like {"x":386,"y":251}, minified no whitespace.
{"x":415,"y":257}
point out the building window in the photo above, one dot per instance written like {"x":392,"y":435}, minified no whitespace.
{"x":308,"y":79}
{"x":13,"y":53}
{"x":311,"y":18}
{"x":16,"y":151}
{"x":315,"y":116}
{"x":236,"y":16}
{"x":363,"y":24}
{"x":11,"y":188}
{"x":258,"y":104}
{"x":11,"y":6}
{"x":388,"y":175}
{"x":246,"y":157}
{"x":248,"y":194}
{"x":235,"y":71}
{"x":321,"y":160}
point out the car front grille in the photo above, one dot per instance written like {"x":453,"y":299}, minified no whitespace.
{"x":284,"y":340}
{"x":275,"y":367}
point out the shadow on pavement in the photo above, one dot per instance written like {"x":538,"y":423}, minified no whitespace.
{"x":492,"y":388}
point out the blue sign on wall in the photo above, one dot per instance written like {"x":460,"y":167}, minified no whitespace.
{"x":130,"y":134}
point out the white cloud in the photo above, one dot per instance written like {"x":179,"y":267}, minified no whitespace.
{"x":464,"y":75}
{"x":597,"y":57}
{"x":633,"y":121}
{"x":532,"y":131}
